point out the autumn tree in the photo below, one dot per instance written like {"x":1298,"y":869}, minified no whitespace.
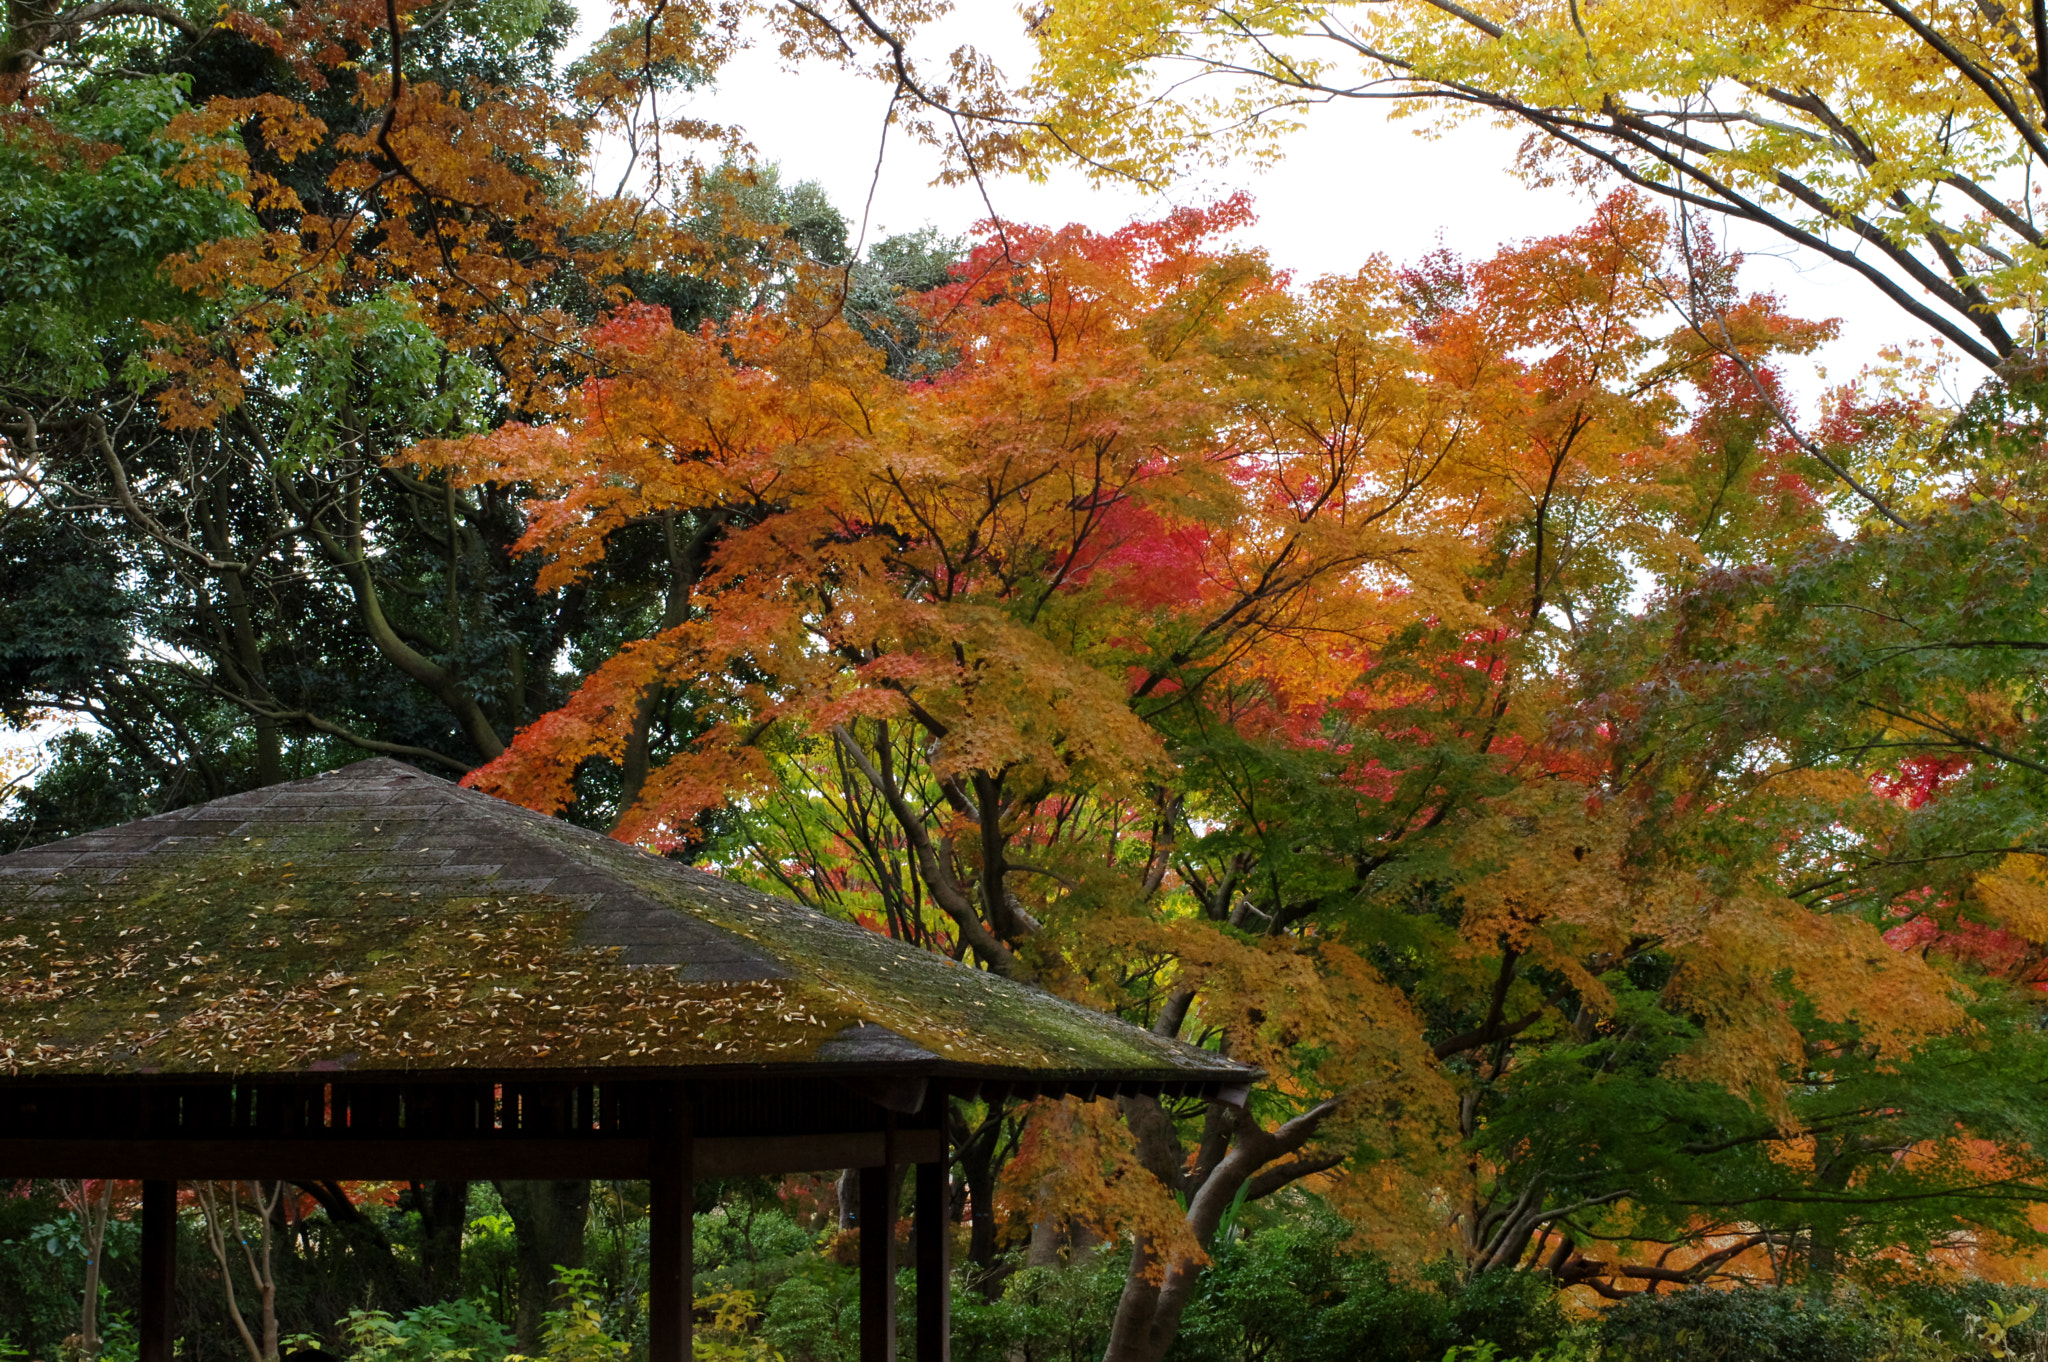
{"x":1894,"y":141}
{"x":1860,"y":703}
{"x":1389,"y":679}
{"x":1215,"y":651}
{"x":214,"y":568}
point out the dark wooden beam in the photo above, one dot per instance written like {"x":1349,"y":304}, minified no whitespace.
{"x":933,"y":1244}
{"x":670,"y":1246}
{"x":877,"y":1266}
{"x":522,"y":1157}
{"x":802,"y":1153}
{"x":159,"y":1267}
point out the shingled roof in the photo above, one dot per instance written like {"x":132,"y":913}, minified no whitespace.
{"x":380,"y":919}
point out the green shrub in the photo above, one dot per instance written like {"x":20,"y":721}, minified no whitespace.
{"x":1290,"y":1294}
{"x":1746,"y":1325}
{"x":811,"y":1317}
{"x":1518,"y":1312}
{"x":1958,"y":1311}
{"x":1045,"y":1314}
{"x":39,"y":1285}
{"x":746,"y":1234}
{"x":453,"y":1331}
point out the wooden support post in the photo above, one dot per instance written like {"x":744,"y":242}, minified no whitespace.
{"x":670,"y":1194}
{"x":159,"y":1267}
{"x":877,"y":1266}
{"x":934,"y":1245}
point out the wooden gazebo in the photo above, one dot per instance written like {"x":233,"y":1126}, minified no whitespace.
{"x":377,"y":974}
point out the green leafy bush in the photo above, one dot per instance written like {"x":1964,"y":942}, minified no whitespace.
{"x":1517,"y":1312}
{"x":1291,"y":1294}
{"x":1960,"y":1312}
{"x":453,"y":1331}
{"x":1045,"y":1314}
{"x":1748,"y":1325}
{"x":811,"y":1316}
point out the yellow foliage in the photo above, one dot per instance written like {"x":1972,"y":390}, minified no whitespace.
{"x":2016,"y":896}
{"x":1077,"y":1159}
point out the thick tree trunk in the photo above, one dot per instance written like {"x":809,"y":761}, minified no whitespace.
{"x":443,"y":1207}
{"x":977,"y":1152}
{"x":548,"y":1221}
{"x":1148,"y":1312}
{"x":1157,"y":1291}
{"x":1044,"y":1247}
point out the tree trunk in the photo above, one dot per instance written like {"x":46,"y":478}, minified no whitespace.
{"x":548,"y":1221}
{"x":1824,"y":1242}
{"x":224,"y":1224}
{"x":248,"y":652}
{"x":94,"y":1235}
{"x":443,"y":1206}
{"x":1156,"y":1292}
{"x":978,"y":1150}
{"x":394,"y":1285}
{"x":1043,"y":1249}
{"x":685,"y":566}
{"x":847,"y":1189}
{"x":93,"y":1206}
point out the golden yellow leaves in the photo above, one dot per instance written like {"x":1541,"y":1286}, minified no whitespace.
{"x":1077,"y":1159}
{"x":451,"y":199}
{"x":2015,"y":894}
{"x":1315,"y":1014}
{"x":1753,"y":954}
{"x":288,"y":130}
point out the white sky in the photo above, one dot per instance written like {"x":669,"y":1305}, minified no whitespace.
{"x":1353,"y":183}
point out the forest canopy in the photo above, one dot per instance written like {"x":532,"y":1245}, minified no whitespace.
{"x":1602,"y":790}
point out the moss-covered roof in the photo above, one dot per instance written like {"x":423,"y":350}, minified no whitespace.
{"x":376,"y":918}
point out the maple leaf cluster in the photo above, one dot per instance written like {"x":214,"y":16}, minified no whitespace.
{"x":1270,"y":663}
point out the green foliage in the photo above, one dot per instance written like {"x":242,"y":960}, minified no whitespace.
{"x":1735,"y":1326}
{"x":574,"y":1331}
{"x":119,"y":1341}
{"x":1045,"y":1314}
{"x":764,"y":230}
{"x":906,"y":263}
{"x":1517,"y":1312}
{"x":1954,"y":1314}
{"x":63,"y":1238}
{"x":747,"y":1243}
{"x":376,"y":367}
{"x":1489,"y":1352}
{"x":813,"y":1317}
{"x":1291,"y":1292}
{"x":39,"y":1291}
{"x":454,"y":1331}
{"x":89,"y":220}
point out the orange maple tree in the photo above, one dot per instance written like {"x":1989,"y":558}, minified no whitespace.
{"x":1213,"y":649}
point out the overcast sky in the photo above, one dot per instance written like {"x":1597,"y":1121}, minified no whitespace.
{"x":1353,"y":183}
